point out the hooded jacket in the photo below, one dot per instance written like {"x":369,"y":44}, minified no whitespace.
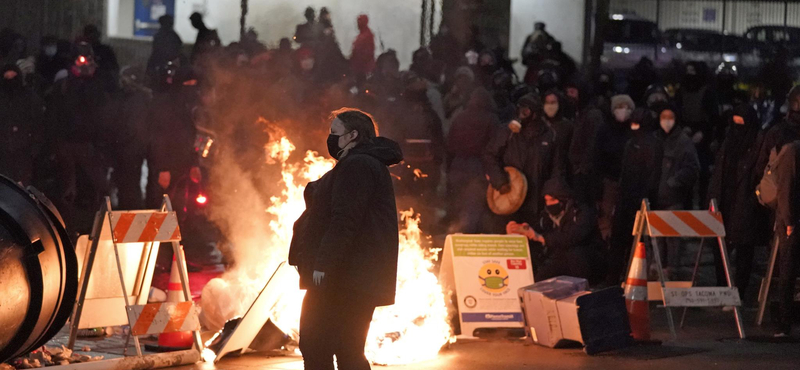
{"x":734,"y":180}
{"x":564,"y":131}
{"x":533,"y":152}
{"x":680,"y":167}
{"x":349,"y":229}
{"x":472,"y":128}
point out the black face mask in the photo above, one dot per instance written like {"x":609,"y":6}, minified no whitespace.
{"x":555,"y":209}
{"x":794,"y":117}
{"x":333,"y":146}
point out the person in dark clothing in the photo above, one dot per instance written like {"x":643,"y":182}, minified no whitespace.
{"x":733,"y":185}
{"x":104,"y":56}
{"x":207,"y":39}
{"x":787,"y":214}
{"x":680,"y":170}
{"x":655,"y":93}
{"x":469,"y":134}
{"x":131,"y":138}
{"x":76,"y":120}
{"x":166,"y":46}
{"x":784,"y":132}
{"x":552,"y":103}
{"x":566,"y":240}
{"x":609,"y":149}
{"x":502,"y":86}
{"x":171,"y":134}
{"x":639,"y":179}
{"x":345,"y":245}
{"x":50,"y":61}
{"x":697,"y":102}
{"x":308,"y":33}
{"x":446,"y":48}
{"x":534,"y":50}
{"x":586,"y":183}
{"x":459,"y":94}
{"x":528,"y":145}
{"x":641,"y":77}
{"x":21,"y":120}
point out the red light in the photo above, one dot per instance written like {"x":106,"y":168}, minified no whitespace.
{"x":201,"y":199}
{"x":82,"y":59}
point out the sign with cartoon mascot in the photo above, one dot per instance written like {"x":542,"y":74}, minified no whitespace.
{"x":483,"y":273}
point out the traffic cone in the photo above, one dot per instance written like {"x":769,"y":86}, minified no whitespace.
{"x":175,"y":340}
{"x":636,"y":295}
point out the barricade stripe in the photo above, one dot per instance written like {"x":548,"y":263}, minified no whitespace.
{"x":661,"y":227}
{"x":636,"y":282}
{"x":139,"y":223}
{"x":714,"y":222}
{"x":151,"y":228}
{"x":177,"y":316}
{"x":681,"y":228}
{"x":167,"y":227}
{"x":690,"y":220}
{"x":176,"y":235}
{"x":145,"y":318}
{"x":122,"y":223}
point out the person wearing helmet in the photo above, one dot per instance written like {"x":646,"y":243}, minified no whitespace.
{"x":654,"y":94}
{"x":528,"y":145}
{"x":78,"y":124}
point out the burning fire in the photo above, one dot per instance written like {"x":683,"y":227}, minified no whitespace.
{"x":412,"y":330}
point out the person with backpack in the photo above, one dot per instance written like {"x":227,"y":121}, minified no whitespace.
{"x":784,"y":168}
{"x":733,"y":185}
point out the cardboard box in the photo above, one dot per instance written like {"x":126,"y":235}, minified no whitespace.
{"x":559,"y":310}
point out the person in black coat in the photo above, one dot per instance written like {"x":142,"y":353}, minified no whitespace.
{"x":166,"y":46}
{"x":554,"y":103}
{"x":469,"y":134}
{"x":609,"y":148}
{"x":787,"y":216}
{"x":733,"y":186}
{"x":639,"y":179}
{"x":21,"y":120}
{"x":565,"y":235}
{"x":680,"y":170}
{"x":345,"y":245}
{"x":531,"y":149}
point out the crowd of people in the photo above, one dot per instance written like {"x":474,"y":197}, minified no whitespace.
{"x":79,"y":127}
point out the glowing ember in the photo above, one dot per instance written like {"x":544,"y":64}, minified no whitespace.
{"x":412,"y":330}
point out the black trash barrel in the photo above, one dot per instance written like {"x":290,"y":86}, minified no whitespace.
{"x":38,"y":270}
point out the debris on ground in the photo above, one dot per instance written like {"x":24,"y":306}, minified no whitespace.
{"x":50,"y":356}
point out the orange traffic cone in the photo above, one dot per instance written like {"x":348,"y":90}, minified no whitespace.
{"x":636,"y":295}
{"x":175,"y":340}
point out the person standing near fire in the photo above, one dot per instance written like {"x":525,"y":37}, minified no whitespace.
{"x":345,"y":245}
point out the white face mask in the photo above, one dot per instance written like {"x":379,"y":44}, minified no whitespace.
{"x":307,"y":64}
{"x":667,"y":125}
{"x":551,"y":109}
{"x":50,"y":51}
{"x":622,"y":114}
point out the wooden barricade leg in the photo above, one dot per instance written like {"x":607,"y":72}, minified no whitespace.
{"x":663,"y":280}
{"x":86,"y":271}
{"x":763,"y":294}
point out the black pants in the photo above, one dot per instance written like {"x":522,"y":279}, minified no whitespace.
{"x":745,"y":253}
{"x":333,"y":323}
{"x":789,"y":262}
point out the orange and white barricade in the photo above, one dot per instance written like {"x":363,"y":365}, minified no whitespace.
{"x":116,"y":296}
{"x":688,"y":224}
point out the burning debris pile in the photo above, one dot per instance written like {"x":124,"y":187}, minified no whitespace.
{"x":412,"y":330}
